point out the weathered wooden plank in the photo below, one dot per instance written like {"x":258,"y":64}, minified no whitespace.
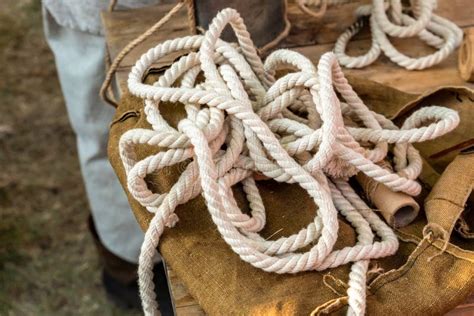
{"x":386,"y":72}
{"x":184,"y":303}
{"x":193,"y":310}
{"x":121,"y":27}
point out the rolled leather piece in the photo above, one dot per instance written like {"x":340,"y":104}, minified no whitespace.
{"x":466,"y":56}
{"x":451,"y":195}
{"x":397,"y":208}
{"x":266,"y":20}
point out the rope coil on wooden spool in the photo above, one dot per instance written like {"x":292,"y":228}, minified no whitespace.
{"x":241,"y":120}
{"x":466,"y":56}
{"x":388,"y":19}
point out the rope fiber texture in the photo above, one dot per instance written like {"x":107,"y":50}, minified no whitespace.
{"x":241,"y":123}
{"x":390,"y":18}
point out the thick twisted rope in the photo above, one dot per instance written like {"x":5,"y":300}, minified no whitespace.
{"x":387,"y":19}
{"x":241,"y":121}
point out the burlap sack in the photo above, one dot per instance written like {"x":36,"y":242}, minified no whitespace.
{"x":223,"y":284}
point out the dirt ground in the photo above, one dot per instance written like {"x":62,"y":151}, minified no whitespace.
{"x":48,"y":264}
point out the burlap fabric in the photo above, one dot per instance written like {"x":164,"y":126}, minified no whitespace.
{"x":408,"y":283}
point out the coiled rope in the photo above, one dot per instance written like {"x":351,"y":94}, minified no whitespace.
{"x":241,"y":120}
{"x":388,"y":19}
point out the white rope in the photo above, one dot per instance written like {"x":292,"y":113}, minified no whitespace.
{"x":291,"y":130}
{"x":387,"y":19}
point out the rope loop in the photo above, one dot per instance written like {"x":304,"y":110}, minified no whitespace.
{"x":388,"y":19}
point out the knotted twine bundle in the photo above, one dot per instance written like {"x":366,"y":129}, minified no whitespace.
{"x":241,"y":122}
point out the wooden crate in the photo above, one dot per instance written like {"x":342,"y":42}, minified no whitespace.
{"x":311,"y":38}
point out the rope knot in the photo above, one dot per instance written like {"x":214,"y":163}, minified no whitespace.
{"x":171,"y":220}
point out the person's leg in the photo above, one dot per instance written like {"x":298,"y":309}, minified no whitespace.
{"x":79,"y":60}
{"x":80,"y":64}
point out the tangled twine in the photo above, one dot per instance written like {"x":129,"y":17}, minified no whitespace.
{"x":241,"y":120}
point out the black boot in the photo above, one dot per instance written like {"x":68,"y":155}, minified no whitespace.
{"x":120,"y":280}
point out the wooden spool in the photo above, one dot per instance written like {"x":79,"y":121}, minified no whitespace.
{"x":466,"y":56}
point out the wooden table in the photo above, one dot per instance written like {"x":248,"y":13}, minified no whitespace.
{"x":311,"y":38}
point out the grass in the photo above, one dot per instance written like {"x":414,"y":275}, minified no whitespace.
{"x":48,"y":264}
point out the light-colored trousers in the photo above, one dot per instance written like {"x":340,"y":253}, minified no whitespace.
{"x":80,"y":59}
